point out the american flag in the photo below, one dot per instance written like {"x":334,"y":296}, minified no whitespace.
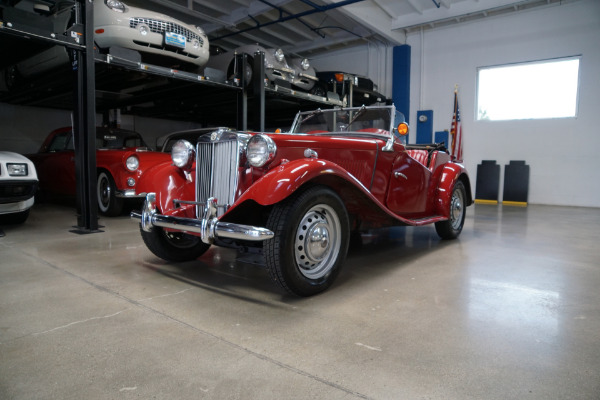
{"x":456,"y":131}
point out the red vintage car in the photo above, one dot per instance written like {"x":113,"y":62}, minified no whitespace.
{"x":298,"y":196}
{"x":121,"y":158}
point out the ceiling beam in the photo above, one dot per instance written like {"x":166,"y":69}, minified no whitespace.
{"x":373,"y":18}
{"x":452,"y":11}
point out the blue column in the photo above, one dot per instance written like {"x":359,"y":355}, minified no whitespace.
{"x":401,"y":79}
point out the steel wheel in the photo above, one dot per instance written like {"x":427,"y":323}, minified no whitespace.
{"x":451,"y":228}
{"x":311,"y":230}
{"x":318,"y":240}
{"x":108,"y":203}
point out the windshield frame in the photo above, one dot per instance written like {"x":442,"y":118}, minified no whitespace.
{"x":303,"y":116}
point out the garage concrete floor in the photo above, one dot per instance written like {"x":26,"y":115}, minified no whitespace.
{"x":511,"y":310}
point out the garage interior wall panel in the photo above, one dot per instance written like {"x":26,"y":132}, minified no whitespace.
{"x":562,"y":152}
{"x":24,"y":128}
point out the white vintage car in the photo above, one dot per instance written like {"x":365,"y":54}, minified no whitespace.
{"x":305,"y":75}
{"x":18,"y":184}
{"x":158,"y":38}
{"x":149,"y":32}
{"x":276,"y":67}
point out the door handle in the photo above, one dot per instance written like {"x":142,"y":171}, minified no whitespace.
{"x":400,"y":175}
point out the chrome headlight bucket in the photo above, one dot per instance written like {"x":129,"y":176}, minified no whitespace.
{"x":305,"y":64}
{"x":261,"y":149}
{"x":132,"y":163}
{"x":115,"y":5}
{"x":183,"y":154}
{"x":279,"y":55}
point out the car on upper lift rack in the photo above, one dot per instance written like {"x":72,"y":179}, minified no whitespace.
{"x":298,"y":196}
{"x":159,"y":38}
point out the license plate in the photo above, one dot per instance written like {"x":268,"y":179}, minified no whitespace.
{"x":175,"y":39}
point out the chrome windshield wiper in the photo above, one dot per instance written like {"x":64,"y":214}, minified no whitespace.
{"x":312,"y":114}
{"x":358,"y":114}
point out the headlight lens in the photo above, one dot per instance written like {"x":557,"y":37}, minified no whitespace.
{"x":17,"y":169}
{"x":183,"y":154}
{"x":143,"y":29}
{"x":279,"y":55}
{"x":261,"y":149}
{"x":132,"y":163}
{"x":115,"y":5}
{"x":305,"y":64}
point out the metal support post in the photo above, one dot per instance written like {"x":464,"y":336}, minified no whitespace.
{"x":84,"y":123}
{"x":242,"y":97}
{"x":258,"y":83}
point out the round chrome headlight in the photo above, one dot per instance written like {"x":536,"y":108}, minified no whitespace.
{"x":279,"y":55}
{"x":132,"y":163}
{"x":305,"y":64}
{"x":195,"y":44}
{"x":115,"y":5}
{"x":183,"y":154}
{"x":144,"y":29}
{"x":260,"y":150}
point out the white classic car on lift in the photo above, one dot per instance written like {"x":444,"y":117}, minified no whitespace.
{"x":18,"y":184}
{"x":149,"y":32}
{"x":157,"y":38}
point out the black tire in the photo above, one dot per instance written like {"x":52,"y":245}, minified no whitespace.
{"x":310,"y":243}
{"x":318,"y":90}
{"x":451,"y":228}
{"x":108,"y":203}
{"x":174,"y":246}
{"x":16,"y":218}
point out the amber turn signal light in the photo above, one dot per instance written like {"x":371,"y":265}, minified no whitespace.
{"x":402,"y":129}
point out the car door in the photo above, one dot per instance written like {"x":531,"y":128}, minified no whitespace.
{"x":56,"y":167}
{"x":409,"y":182}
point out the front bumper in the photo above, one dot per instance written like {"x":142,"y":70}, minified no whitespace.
{"x":209,"y":227}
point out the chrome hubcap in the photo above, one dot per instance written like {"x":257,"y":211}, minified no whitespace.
{"x":456,"y":209}
{"x":317,"y":241}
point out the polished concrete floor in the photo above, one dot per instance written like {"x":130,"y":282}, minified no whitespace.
{"x":511,"y":310}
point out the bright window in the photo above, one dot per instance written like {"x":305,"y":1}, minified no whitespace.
{"x":533,"y":90}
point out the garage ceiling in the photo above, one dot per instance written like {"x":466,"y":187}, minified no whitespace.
{"x":308,"y":27}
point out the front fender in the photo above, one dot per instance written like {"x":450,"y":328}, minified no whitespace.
{"x":169,"y":183}
{"x":450,"y":175}
{"x":285,"y":179}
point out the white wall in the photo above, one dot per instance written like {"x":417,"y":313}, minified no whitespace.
{"x":562,"y":153}
{"x":23,"y":129}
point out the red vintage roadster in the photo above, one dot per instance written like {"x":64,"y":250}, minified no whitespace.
{"x":300,"y":195}
{"x":121,"y":158}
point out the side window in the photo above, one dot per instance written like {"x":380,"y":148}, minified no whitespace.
{"x":61,"y":142}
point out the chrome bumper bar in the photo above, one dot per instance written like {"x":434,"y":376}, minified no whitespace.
{"x":209,"y":227}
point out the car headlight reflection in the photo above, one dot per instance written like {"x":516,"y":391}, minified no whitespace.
{"x":261,"y":149}
{"x":115,"y":5}
{"x":143,"y":29}
{"x":132,"y":163}
{"x":195,"y":43}
{"x":183,"y":154}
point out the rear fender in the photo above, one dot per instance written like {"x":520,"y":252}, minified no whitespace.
{"x":450,"y":175}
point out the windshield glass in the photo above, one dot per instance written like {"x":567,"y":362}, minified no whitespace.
{"x":117,"y":139}
{"x":378,"y":120}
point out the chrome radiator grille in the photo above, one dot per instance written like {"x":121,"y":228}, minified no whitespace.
{"x":158,"y":26}
{"x":217,"y":172}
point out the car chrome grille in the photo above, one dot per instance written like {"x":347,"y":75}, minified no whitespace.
{"x":217,"y":173}
{"x":158,"y":26}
